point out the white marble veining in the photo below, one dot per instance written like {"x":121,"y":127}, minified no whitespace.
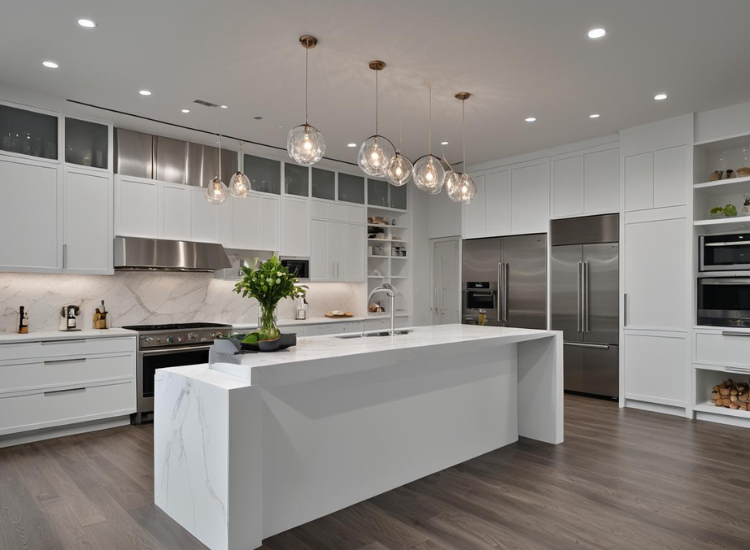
{"x":134,"y":298}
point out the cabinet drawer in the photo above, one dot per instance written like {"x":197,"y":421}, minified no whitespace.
{"x":377,"y":324}
{"x":66,"y":348}
{"x":333,"y":328}
{"x":42,"y":410}
{"x":60,"y":372}
{"x":723,"y":348}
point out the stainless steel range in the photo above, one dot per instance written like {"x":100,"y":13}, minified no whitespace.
{"x":175,"y":345}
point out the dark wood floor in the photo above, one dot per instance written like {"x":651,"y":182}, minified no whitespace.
{"x":624,"y":479}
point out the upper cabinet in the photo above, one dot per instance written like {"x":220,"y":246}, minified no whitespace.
{"x":474,"y":213}
{"x":296,"y":180}
{"x":656,"y":179}
{"x":529,"y":199}
{"x":28,"y":132}
{"x":86,"y":143}
{"x":323,"y":184}
{"x":351,"y":188}
{"x":497,"y":199}
{"x":264,"y":174}
{"x":586,"y":183}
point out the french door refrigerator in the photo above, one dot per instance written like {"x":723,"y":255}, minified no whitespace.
{"x":507,"y":278}
{"x":584,"y":290}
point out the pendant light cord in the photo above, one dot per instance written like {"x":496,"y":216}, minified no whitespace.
{"x":376,"y":102}
{"x":220,"y":143}
{"x":463,"y":130}
{"x":429,"y":134}
{"x":307,"y":51}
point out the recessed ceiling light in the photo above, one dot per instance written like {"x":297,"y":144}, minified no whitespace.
{"x":530,"y":119}
{"x":351,"y":144}
{"x":224,"y":107}
{"x":597,"y":33}
{"x":443,"y":143}
{"x":144,"y":92}
{"x":280,"y":126}
{"x":258,"y":117}
{"x":186,"y":110}
{"x":660,"y":97}
{"x":50,"y":64}
{"x":87,"y":23}
{"x":594,"y":116}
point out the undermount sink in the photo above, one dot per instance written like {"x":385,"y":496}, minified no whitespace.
{"x":373,"y":334}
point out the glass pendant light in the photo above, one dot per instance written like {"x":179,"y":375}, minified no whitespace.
{"x":462,"y":188}
{"x":216,"y":192}
{"x":376,"y":152}
{"x":305,"y":144}
{"x":239,"y":185}
{"x":429,"y":174}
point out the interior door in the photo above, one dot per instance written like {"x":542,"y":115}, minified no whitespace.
{"x":565,"y":292}
{"x":602,"y":267}
{"x":446,"y":282}
{"x":525,"y":261}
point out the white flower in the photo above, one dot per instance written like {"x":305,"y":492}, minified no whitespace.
{"x":279,"y":273}
{"x":278,"y":281}
{"x":269,"y":281}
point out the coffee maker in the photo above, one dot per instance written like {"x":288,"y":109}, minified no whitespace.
{"x":69,"y":317}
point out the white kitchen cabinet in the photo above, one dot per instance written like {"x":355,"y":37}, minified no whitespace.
{"x":87,"y":222}
{"x":656,"y":368}
{"x":270,"y":234}
{"x":497,"y":203}
{"x":136,"y":207}
{"x":29,"y":220}
{"x":474,"y":213}
{"x":204,"y":217}
{"x":295,"y":231}
{"x":670,"y":177}
{"x":320,"y":264}
{"x":354,"y":263}
{"x":656,"y":265}
{"x":529,"y":199}
{"x":568,"y":186}
{"x":639,"y":182}
{"x":337,"y":253}
{"x":174,"y":211}
{"x":334,"y":328}
{"x":601,"y":182}
{"x":246,"y":219}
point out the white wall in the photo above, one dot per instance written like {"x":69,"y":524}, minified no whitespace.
{"x":444,"y":217}
{"x":418,"y":204}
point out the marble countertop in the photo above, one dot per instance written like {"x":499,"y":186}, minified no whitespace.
{"x":51,"y":335}
{"x":318,"y":321}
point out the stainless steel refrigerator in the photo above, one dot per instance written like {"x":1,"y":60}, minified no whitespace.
{"x":506,"y":277}
{"x":584,"y":285}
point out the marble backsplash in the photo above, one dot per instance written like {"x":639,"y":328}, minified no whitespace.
{"x":134,"y":298}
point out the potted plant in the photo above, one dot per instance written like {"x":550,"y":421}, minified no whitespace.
{"x":268,"y":282}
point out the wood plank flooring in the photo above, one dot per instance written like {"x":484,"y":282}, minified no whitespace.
{"x":624,"y":479}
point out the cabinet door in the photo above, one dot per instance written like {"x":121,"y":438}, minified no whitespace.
{"x":639,"y":182}
{"x":337,"y":240}
{"x":245,"y":229}
{"x":655,"y":369}
{"x":136,"y":208}
{"x":204,"y":218}
{"x":601,"y":181}
{"x":270,"y":235}
{"x":87,"y":236}
{"x":320,"y":263}
{"x":656,"y":265}
{"x":497,"y":203}
{"x":28,"y":216}
{"x":670,"y":177}
{"x":529,"y":199}
{"x":354,"y":267}
{"x":567,"y":186}
{"x":174,"y":212}
{"x":295,"y":231}
{"x":474,"y":212}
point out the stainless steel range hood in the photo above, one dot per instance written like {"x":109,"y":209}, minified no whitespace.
{"x":136,"y":254}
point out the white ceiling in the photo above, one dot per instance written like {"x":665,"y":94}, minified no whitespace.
{"x":519,"y":57}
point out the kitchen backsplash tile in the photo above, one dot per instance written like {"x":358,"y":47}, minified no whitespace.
{"x":143,"y":298}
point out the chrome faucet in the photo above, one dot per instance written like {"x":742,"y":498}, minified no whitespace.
{"x":388,"y":289}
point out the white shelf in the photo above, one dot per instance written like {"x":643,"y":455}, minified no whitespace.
{"x":738,"y":220}
{"x":377,"y":277}
{"x":387,"y":226}
{"x":386,"y":241}
{"x":399,"y":277}
{"x":709,"y":407}
{"x":385,"y":257}
{"x":734,"y":186}
{"x":387,"y":209}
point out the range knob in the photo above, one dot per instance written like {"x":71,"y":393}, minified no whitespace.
{"x":158,"y":339}
{"x":191,"y":337}
{"x":179,"y":338}
{"x":170,"y":339}
{"x":147,"y":339}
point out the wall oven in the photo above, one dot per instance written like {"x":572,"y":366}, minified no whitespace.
{"x":480,"y":295}
{"x":724,"y":301}
{"x":725,"y":252}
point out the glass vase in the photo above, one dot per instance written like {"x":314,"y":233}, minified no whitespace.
{"x":267,"y":329}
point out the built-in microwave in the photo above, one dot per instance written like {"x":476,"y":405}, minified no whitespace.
{"x":724,"y":301}
{"x":725,"y":252}
{"x":300,"y":267}
{"x":480,"y":295}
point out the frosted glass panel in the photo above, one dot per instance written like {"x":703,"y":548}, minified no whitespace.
{"x":28,"y":133}
{"x":351,"y":188}
{"x":264,"y":174}
{"x":377,"y":193}
{"x":86,"y":143}
{"x":323,"y":184}
{"x":296,"y":180}
{"x":398,"y":197}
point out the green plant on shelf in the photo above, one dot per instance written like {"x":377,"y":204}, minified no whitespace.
{"x":730,"y":211}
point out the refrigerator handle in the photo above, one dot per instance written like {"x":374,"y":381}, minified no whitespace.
{"x":498,"y":306}
{"x":579,"y":306}
{"x":506,"y":276}
{"x":625,"y":310}
{"x":586,"y":298}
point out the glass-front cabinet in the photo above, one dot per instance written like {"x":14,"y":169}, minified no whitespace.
{"x":264,"y":174}
{"x":86,"y":143}
{"x":323,"y":184}
{"x":377,"y":192}
{"x":296,"y":180}
{"x":351,"y":188}
{"x":28,"y":132}
{"x":398,"y":197}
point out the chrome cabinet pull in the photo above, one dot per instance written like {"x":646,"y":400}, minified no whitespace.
{"x":500,"y":289}
{"x":735,"y":333}
{"x":505,"y":292}
{"x":582,"y":345}
{"x":624,"y":310}
{"x":56,"y":342}
{"x":586,"y":299}
{"x":61,"y":361}
{"x":58,"y":392}
{"x":65,"y":256}
{"x":579,"y":304}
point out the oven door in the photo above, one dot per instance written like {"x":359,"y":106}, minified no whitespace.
{"x":481,"y":299}
{"x":724,"y":301}
{"x":149,"y":361}
{"x":725,"y":252}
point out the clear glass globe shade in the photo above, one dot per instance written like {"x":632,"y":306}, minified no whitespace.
{"x":239,"y":185}
{"x":451,"y":182}
{"x":464,"y":191}
{"x":399,"y":170}
{"x":375,"y":155}
{"x":429,"y":175}
{"x":305,"y":145}
{"x":216,"y":192}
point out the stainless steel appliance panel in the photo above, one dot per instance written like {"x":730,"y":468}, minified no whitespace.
{"x":133,"y":253}
{"x":573,"y":367}
{"x":566,"y":279}
{"x":524,"y":292}
{"x":724,"y":301}
{"x":601,"y":284}
{"x":194,"y":174}
{"x":134,"y":153}
{"x":171,"y":159}
{"x":211,"y":164}
{"x":586,"y":230}
{"x":601,"y":373}
{"x":724,"y":252}
{"x":481,"y":262}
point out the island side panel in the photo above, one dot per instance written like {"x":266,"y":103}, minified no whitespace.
{"x":540,"y":389}
{"x":332,"y":442}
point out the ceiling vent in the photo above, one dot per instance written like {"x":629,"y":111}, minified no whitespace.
{"x":206,"y":103}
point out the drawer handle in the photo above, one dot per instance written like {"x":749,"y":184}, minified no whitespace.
{"x":71,"y":390}
{"x":60,"y":361}
{"x":56,"y":342}
{"x":580,"y":345}
{"x":735,"y":333}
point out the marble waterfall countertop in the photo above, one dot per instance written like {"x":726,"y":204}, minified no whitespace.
{"x":52,"y":335}
{"x":317,"y":321}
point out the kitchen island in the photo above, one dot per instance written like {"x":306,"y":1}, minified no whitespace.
{"x":257,"y":444}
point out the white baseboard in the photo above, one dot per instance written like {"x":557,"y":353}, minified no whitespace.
{"x":62,"y":431}
{"x":656,"y":407}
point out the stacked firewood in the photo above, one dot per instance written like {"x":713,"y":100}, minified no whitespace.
{"x":732,"y":395}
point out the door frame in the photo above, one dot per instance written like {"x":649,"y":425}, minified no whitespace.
{"x":433,"y":242}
